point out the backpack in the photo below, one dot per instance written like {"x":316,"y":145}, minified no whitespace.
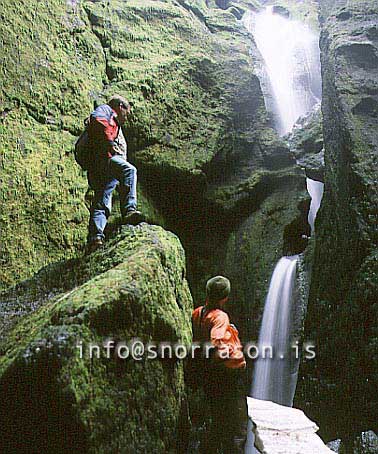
{"x":83,"y":151}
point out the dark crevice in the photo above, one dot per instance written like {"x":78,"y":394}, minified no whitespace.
{"x":297,"y":233}
{"x":223,"y":4}
{"x":50,"y":422}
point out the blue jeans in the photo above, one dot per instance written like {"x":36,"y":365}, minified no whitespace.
{"x":103,"y":180}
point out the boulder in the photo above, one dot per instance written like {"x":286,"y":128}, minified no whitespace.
{"x":283,"y":430}
{"x":56,"y":395}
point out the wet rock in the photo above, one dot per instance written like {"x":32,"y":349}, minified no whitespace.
{"x":237,"y":11}
{"x":307,"y":145}
{"x":281,"y":10}
{"x":365,"y":443}
{"x":363,"y":55}
{"x":223,"y":4}
{"x":367,"y":106}
{"x":276,"y":228}
{"x":344,"y":15}
{"x":372,"y":32}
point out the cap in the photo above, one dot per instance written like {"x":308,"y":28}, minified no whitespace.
{"x":217,"y":288}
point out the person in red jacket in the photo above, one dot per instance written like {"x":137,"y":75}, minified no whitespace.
{"x":224,"y":370}
{"x":110,"y":168}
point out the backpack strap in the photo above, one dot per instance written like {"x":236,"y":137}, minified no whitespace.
{"x":203,"y":312}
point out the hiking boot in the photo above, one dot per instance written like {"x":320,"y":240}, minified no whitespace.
{"x":133,"y":217}
{"x":94,"y":245}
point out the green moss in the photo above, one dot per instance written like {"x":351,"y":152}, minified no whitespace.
{"x":59,"y":58}
{"x":135,"y":288}
{"x":42,"y":199}
{"x":51,"y":63}
{"x":255,"y":187}
{"x":52,"y":67}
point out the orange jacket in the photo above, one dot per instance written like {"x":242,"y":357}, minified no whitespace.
{"x":214,"y":326}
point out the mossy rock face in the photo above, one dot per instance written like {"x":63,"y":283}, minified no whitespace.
{"x":198,"y":106}
{"x":178,"y":65}
{"x":52,"y":68}
{"x":57,"y":399}
{"x":344,"y":288}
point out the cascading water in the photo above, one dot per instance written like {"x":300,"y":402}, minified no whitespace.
{"x":290,"y":51}
{"x":315,"y":189}
{"x":291,"y":82}
{"x":273,"y":379}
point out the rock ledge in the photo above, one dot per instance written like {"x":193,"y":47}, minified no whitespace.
{"x":283,"y":430}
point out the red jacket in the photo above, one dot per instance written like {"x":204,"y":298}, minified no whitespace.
{"x":103,"y":129}
{"x":214,"y":326}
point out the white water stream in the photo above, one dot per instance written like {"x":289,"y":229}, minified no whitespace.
{"x":290,"y":50}
{"x":272,"y":378}
{"x":315,"y":189}
{"x":291,"y":83}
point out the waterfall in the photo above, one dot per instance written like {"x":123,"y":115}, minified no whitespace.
{"x":291,"y":83}
{"x":315,"y":189}
{"x":291,"y":76}
{"x":273,"y":379}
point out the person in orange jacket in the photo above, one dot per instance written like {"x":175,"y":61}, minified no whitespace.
{"x":223,"y":371}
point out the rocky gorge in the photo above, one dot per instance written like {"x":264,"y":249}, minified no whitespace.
{"x":212,"y":170}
